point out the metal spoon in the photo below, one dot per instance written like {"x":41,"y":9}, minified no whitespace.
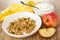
{"x":28,"y":5}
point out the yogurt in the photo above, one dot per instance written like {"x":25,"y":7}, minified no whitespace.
{"x":44,"y":8}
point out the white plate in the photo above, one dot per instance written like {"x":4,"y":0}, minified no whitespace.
{"x":12,"y":17}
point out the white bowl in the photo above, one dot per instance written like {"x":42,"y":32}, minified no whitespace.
{"x":12,"y":17}
{"x":44,"y":8}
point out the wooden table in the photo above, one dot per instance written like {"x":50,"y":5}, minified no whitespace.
{"x":36,"y":36}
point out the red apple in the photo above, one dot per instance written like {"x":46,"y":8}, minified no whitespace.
{"x":50,"y":19}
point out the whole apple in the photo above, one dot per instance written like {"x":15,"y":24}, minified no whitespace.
{"x":50,"y":19}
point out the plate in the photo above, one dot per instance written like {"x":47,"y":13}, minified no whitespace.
{"x":13,"y":17}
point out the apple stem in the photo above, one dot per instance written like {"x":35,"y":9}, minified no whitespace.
{"x":47,"y":20}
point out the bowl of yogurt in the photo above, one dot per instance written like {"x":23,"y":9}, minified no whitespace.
{"x":44,"y":8}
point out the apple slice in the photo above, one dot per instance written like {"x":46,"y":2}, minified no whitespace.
{"x":47,"y":32}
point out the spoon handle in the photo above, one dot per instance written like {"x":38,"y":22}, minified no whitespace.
{"x":28,"y":4}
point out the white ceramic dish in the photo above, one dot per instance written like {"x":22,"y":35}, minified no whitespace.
{"x":12,"y":17}
{"x":44,"y":8}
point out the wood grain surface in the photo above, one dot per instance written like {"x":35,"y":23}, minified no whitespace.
{"x":36,"y":36}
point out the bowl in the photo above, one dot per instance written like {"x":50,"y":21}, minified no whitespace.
{"x":44,"y":8}
{"x":12,"y":17}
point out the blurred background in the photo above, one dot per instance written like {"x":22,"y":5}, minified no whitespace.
{"x":5,"y":3}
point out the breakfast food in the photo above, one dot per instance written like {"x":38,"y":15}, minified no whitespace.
{"x":21,"y":25}
{"x":44,"y":8}
{"x":14,"y":8}
{"x":50,"y":20}
{"x":47,"y":32}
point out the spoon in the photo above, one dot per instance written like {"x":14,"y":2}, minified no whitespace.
{"x":28,"y":5}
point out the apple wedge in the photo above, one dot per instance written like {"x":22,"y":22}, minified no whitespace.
{"x":47,"y":32}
